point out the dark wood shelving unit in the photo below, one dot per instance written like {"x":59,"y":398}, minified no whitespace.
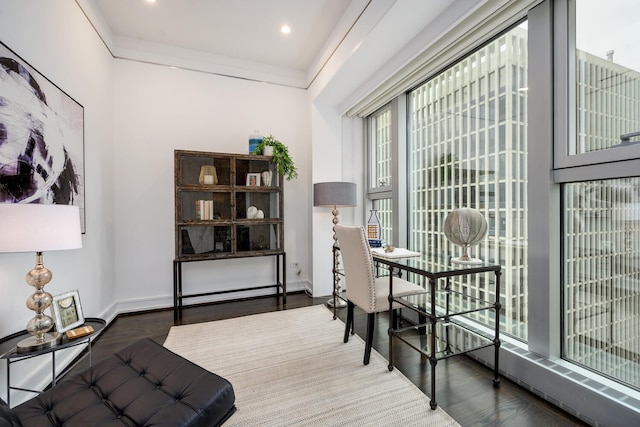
{"x":216,"y":198}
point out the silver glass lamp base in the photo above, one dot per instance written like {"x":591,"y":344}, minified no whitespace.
{"x":32,"y":343}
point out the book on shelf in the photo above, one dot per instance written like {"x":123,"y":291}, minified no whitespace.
{"x":204,"y":209}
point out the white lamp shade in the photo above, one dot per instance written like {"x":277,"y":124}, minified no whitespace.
{"x":39,"y":228}
{"x":334,"y":194}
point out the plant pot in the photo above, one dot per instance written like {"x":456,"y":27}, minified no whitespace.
{"x":268,"y":150}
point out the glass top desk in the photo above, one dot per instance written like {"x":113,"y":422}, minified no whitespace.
{"x":455,"y":295}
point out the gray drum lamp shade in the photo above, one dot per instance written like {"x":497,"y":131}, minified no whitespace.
{"x":334,"y":194}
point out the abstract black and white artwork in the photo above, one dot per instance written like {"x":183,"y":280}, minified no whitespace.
{"x":41,"y":138}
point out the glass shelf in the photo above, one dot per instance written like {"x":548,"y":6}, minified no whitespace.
{"x":451,"y":339}
{"x":458,"y":303}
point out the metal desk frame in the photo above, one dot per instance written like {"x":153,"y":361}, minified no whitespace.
{"x":434,"y":314}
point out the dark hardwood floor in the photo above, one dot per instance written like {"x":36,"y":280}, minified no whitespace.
{"x":464,"y":386}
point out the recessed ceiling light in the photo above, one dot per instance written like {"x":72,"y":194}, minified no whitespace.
{"x":150,"y":1}
{"x":285,"y":29}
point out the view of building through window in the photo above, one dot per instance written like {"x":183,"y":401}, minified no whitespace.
{"x":467,"y":148}
{"x":607,"y":66}
{"x":380,"y":169}
{"x":602,"y":276}
{"x":601,"y":248}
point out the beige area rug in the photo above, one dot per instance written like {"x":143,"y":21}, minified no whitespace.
{"x":291,"y":368}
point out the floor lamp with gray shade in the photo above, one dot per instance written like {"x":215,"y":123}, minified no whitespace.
{"x":38,"y":228}
{"x":333,"y":195}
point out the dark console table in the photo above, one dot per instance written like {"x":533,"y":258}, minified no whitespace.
{"x":280,"y":282}
{"x":11,"y":356}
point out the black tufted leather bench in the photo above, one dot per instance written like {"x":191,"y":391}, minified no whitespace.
{"x":144,"y":384}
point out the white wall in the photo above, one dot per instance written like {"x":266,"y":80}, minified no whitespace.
{"x":56,"y":39}
{"x":387,"y":36}
{"x":136,"y":114}
{"x":160,"y":109}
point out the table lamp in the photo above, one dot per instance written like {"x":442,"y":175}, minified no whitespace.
{"x":38,"y":228}
{"x":334,"y":194}
{"x":465,"y":227}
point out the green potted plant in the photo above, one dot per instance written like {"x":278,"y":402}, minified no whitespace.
{"x":281,"y":157}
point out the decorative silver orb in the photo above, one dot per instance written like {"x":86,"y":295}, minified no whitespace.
{"x":465,"y":227}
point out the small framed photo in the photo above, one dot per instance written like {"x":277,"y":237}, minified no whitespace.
{"x":253,"y":180}
{"x":67,"y":311}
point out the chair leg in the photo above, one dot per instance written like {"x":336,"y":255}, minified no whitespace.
{"x":349,"y":323}
{"x":371,"y":317}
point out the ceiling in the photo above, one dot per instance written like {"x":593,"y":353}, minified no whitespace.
{"x":247,"y":30}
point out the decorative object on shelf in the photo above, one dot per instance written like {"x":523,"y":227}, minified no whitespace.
{"x":208,"y":175}
{"x":334,"y":194}
{"x":204,"y":210}
{"x":252,"y":211}
{"x":67,"y":311}
{"x":465,"y":227}
{"x":80,"y":332}
{"x":254,"y":139}
{"x":260,"y":214}
{"x":374,"y":230}
{"x":38,"y":228}
{"x":282,"y":159}
{"x":266,"y":178}
{"x":253,"y":180}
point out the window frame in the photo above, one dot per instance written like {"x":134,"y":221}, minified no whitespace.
{"x":378,"y":192}
{"x":397,"y":190}
{"x":537,"y":363}
{"x":615,"y":162}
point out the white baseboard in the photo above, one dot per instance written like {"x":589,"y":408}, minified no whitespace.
{"x":37,"y":373}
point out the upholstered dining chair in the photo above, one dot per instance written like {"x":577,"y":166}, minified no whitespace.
{"x":364,"y":289}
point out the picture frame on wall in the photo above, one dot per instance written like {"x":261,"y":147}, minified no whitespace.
{"x":67,"y":311}
{"x":253,"y":180}
{"x":42,"y":159}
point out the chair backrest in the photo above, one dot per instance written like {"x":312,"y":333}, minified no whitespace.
{"x":358,"y":266}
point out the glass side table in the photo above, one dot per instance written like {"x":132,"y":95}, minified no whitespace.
{"x":442,"y":331}
{"x":11,"y":356}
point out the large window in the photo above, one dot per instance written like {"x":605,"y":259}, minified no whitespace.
{"x":601,"y":217}
{"x":607,"y":80}
{"x":380,"y":153}
{"x":566,"y":102}
{"x":602,"y":276}
{"x":381,"y":170}
{"x":467,"y":148}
